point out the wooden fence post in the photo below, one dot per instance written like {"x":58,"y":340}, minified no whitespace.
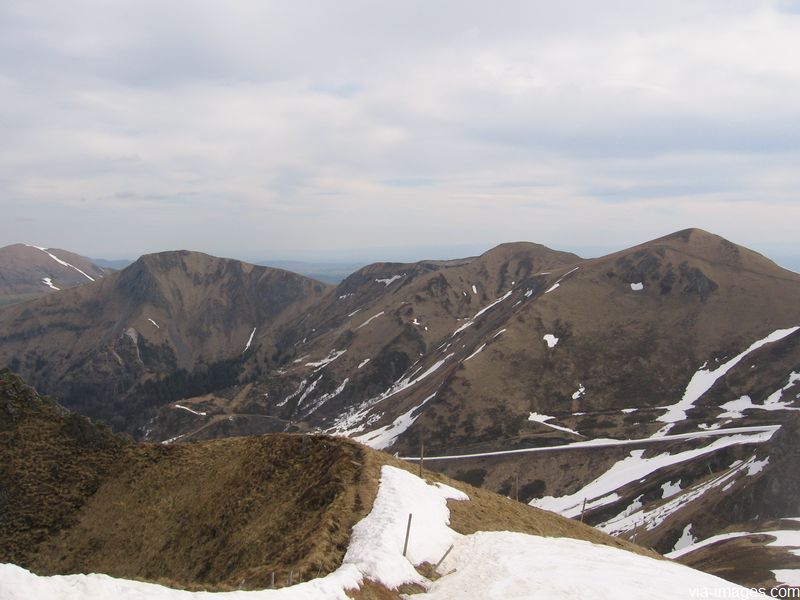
{"x":408,"y":531}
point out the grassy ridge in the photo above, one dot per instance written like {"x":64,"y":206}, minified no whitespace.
{"x":218,"y":515}
{"x":51,"y":462}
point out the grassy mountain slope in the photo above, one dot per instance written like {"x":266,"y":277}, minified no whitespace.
{"x":170,"y":325}
{"x":221,"y":514}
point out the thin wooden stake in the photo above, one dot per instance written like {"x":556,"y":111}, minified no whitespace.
{"x":272,"y":583}
{"x":583,"y":509}
{"x":516,"y":486}
{"x":291,"y":575}
{"x":441,"y":560}
{"x":408,"y":531}
{"x":421,"y":455}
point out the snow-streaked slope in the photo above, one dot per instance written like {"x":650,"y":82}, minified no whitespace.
{"x":785,"y":538}
{"x":487,"y":565}
{"x":704,"y":379}
{"x":602,"y":490}
{"x":385,"y":436}
{"x":61,"y":262}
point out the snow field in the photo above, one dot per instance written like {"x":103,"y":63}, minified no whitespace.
{"x":506,"y":565}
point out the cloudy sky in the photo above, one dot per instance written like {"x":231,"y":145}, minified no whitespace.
{"x":367,"y":129}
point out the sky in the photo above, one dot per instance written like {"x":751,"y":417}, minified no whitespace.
{"x":362,"y":129}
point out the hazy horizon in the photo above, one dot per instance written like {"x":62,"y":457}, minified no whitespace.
{"x":346,"y":131}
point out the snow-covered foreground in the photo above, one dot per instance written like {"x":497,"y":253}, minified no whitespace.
{"x":487,"y":565}
{"x":504,"y":565}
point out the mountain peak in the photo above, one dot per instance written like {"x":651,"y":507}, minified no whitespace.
{"x":715,"y":249}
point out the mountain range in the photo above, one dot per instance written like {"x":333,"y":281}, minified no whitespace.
{"x":651,"y":392}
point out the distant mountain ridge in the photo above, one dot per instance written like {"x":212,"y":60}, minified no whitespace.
{"x":652,"y":352}
{"x":28,"y":271}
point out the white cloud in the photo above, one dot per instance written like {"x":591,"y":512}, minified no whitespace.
{"x":253,"y":128}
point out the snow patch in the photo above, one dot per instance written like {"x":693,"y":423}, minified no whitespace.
{"x":580,"y":392}
{"x":62,"y":262}
{"x":686,"y":539}
{"x":385,"y":436}
{"x":789,"y":577}
{"x":322,"y":399}
{"x":756,"y":466}
{"x":363,"y":362}
{"x":669,"y":489}
{"x":321,"y":364}
{"x":560,"y":279}
{"x":376,"y":544}
{"x":249,"y":340}
{"x":479,"y":313}
{"x":551,"y":340}
{"x":537,"y":418}
{"x":294,"y":394}
{"x":49,"y":283}
{"x":194,"y":412}
{"x":368,"y":321}
{"x":154,"y":323}
{"x":389,"y":280}
{"x":637,"y":287}
{"x":478,"y":351}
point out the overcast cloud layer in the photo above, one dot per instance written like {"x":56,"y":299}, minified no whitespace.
{"x":351,"y":128}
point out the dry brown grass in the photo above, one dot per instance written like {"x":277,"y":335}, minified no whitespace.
{"x":371,"y":590}
{"x":51,"y":462}
{"x":221,"y":514}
